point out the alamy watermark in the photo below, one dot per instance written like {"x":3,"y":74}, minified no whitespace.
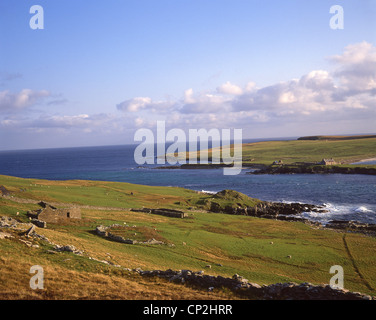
{"x":337,"y":281}
{"x":37,"y":280}
{"x":336,"y":21}
{"x":226,"y":150}
{"x":37,"y":20}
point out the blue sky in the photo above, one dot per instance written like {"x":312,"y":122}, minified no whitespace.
{"x":100,"y":70}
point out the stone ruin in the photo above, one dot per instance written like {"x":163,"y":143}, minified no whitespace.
{"x":163,"y":212}
{"x":49,"y":213}
{"x":105,"y":233}
{"x":278,"y":291}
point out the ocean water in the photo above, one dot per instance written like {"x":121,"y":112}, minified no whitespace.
{"x":347,"y":197}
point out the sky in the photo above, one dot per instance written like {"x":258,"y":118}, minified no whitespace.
{"x":98,"y":71}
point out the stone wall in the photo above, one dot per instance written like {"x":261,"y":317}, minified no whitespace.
{"x":103,"y":232}
{"x":279,"y":291}
{"x":163,"y":212}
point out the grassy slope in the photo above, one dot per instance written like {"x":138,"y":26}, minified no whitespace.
{"x":342,"y":150}
{"x":240,"y":244}
{"x":347,"y":151}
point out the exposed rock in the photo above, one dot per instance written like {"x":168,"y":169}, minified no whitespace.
{"x":314,"y":169}
{"x":68,"y":248}
{"x":273,"y":210}
{"x":153,"y":241}
{"x":4,"y":235}
{"x":4,"y":191}
{"x":354,"y":226}
{"x":279,"y":291}
{"x":7,"y":222}
{"x":29,"y":244}
{"x":282,"y":209}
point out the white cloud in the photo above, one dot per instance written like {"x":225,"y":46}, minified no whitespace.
{"x":344,"y":92}
{"x":12,"y":102}
{"x":144,"y":103}
{"x":135,"y":104}
{"x":343,"y":96}
{"x":229,"y":88}
{"x":356,"y":68}
{"x":203,"y":103}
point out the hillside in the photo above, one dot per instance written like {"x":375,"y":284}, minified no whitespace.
{"x":263,"y":251}
{"x":296,"y":151}
{"x":344,"y":150}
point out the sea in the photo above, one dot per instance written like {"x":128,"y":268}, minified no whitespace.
{"x":346,"y":197}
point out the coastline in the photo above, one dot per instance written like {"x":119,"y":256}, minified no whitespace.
{"x":229,"y":202}
{"x":317,"y":169}
{"x":244,"y":227}
{"x":283,"y":169}
{"x":365,"y":160}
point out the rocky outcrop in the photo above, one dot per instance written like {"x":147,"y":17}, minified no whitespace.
{"x":4,"y":191}
{"x":292,"y":212}
{"x":279,"y":291}
{"x":4,"y":235}
{"x":7,"y":222}
{"x":276,"y":209}
{"x":354,"y":226}
{"x":272,"y":210}
{"x":68,"y":248}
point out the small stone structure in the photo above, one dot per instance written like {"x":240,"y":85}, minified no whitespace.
{"x":327,"y":162}
{"x":105,"y":233}
{"x":163,"y":212}
{"x":49,"y":213}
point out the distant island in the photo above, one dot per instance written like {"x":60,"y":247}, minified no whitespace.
{"x":336,"y":138}
{"x":311,"y":154}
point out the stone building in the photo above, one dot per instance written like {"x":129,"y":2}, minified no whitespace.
{"x":52,"y":214}
{"x":327,"y":162}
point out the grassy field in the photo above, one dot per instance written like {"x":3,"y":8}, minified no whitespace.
{"x":257,"y":249}
{"x":345,"y":150}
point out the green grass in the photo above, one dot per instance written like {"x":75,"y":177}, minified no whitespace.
{"x":343,"y":150}
{"x":347,"y":151}
{"x":230,"y":244}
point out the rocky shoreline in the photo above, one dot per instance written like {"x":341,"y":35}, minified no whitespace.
{"x":293,"y":212}
{"x":280,"y":169}
{"x":286,"y":169}
{"x":196,"y":166}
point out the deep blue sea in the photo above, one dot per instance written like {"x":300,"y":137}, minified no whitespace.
{"x":348,"y":197}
